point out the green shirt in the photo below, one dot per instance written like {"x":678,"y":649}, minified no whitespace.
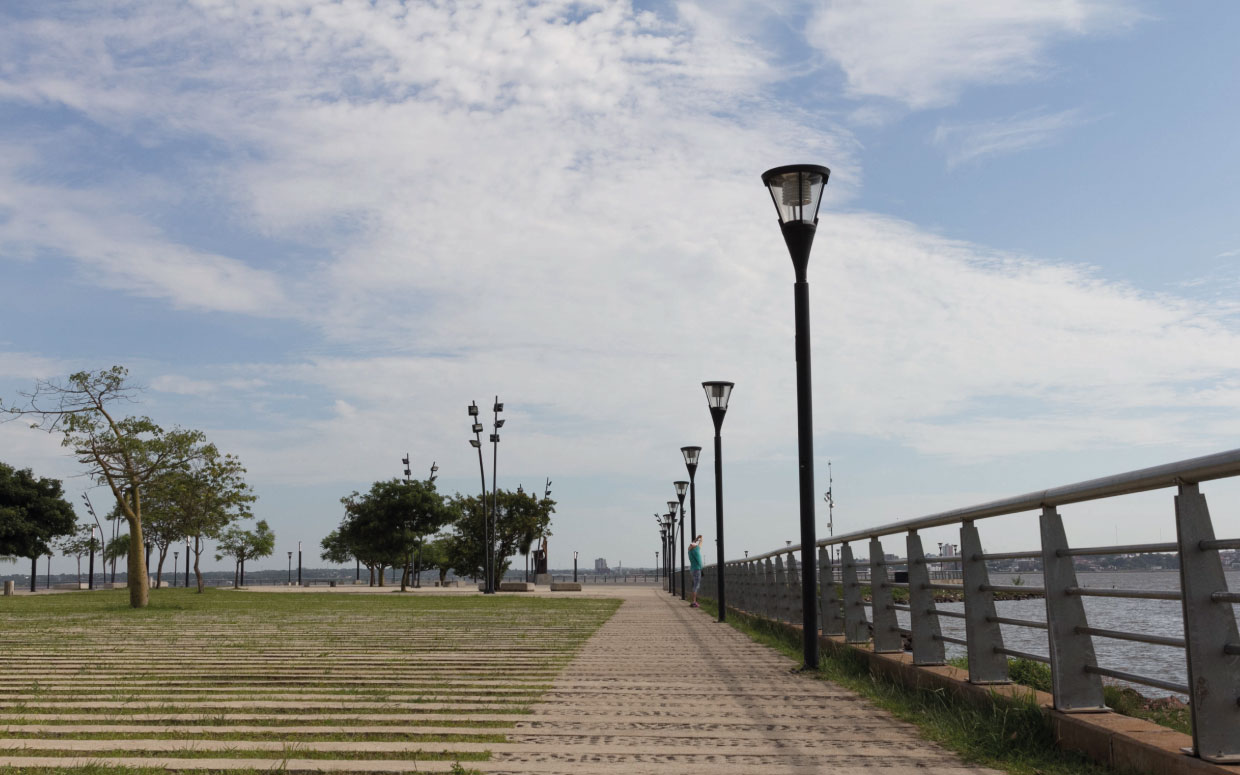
{"x":695,"y":558}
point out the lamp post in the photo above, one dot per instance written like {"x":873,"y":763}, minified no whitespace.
{"x":670,"y":518}
{"x":491,"y":545}
{"x":176,"y":554}
{"x":717,"y":396}
{"x":682,"y":489}
{"x":796,"y":191}
{"x":692,"y":454}
{"x":678,"y":528}
{"x":299,"y":563}
{"x":290,"y":567}
{"x":574,"y":567}
{"x":476,"y":443}
{"x":90,"y":584}
{"x":187,"y":562}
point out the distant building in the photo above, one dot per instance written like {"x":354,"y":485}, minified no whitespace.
{"x":600,"y":566}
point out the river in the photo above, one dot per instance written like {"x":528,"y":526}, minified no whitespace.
{"x":1154,"y":617}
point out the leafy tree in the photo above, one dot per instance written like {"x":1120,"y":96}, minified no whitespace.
{"x":33,"y":512}
{"x":434,"y":555}
{"x":78,"y":544}
{"x":123,"y":453}
{"x":197,"y":500}
{"x":520,"y":517}
{"x":242,"y":545}
{"x":387,"y":524}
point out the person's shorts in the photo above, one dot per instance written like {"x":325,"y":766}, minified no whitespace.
{"x":697,"y":581}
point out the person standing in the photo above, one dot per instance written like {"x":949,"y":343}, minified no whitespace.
{"x":695,"y":565}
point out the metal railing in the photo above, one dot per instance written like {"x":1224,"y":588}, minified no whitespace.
{"x":768,"y":585}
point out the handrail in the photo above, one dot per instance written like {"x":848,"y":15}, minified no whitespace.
{"x":1192,"y":470}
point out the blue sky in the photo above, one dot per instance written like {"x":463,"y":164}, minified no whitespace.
{"x":317,"y":231}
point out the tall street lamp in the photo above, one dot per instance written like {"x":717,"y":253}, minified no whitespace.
{"x":290,"y":567}
{"x":671,"y":506}
{"x":574,"y":567}
{"x":491,"y":545}
{"x":717,"y":395}
{"x":692,"y":454}
{"x":176,"y":554}
{"x":682,"y":488}
{"x":91,"y":582}
{"x":796,"y":191}
{"x":299,"y":563}
{"x":476,"y":443}
{"x":186,"y":563}
{"x":670,"y":519}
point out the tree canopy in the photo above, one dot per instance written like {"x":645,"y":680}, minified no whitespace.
{"x":242,"y":545}
{"x":33,"y":512}
{"x":520,"y":518}
{"x":384,"y":526}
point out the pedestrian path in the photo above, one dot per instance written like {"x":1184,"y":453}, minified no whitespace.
{"x":343,"y":686}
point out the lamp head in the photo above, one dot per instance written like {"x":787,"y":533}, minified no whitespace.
{"x":475,"y":443}
{"x":671,"y":506}
{"x":717,"y":396}
{"x":473,"y":409}
{"x":796,"y":191}
{"x":692,"y":455}
{"x":682,"y":488}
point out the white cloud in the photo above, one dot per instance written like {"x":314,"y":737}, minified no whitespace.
{"x":972,"y":140}
{"x":175,"y":383}
{"x":923,"y":54}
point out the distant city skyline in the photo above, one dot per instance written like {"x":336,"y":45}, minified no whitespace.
{"x":317,"y":232}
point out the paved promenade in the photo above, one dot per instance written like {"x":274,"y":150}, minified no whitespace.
{"x":659,"y":688}
{"x":662,"y":688}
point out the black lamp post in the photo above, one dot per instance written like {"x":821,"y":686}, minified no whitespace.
{"x":717,"y":395}
{"x":476,"y":443}
{"x":90,"y":584}
{"x":670,"y":518}
{"x":186,"y":562}
{"x":492,"y":548}
{"x":290,"y":567}
{"x":299,"y":563}
{"x":682,"y":489}
{"x":796,"y":191}
{"x":574,"y":567}
{"x":176,"y":554}
{"x":671,"y":506}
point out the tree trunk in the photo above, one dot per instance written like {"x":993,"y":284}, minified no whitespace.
{"x":139,"y":584}
{"x":382,"y":568}
{"x":159,"y":568}
{"x":79,"y":559}
{"x":371,"y":570}
{"x":34,"y":571}
{"x":236,"y":573}
{"x":404,"y":576}
{"x":202,"y":585}
{"x":243,"y":571}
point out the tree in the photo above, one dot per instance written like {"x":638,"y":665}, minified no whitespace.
{"x":520,"y":517}
{"x":198,"y":500}
{"x":388,"y":524}
{"x":123,"y":453}
{"x":435,"y":556}
{"x":33,"y":512}
{"x":78,"y":544}
{"x":242,"y":545}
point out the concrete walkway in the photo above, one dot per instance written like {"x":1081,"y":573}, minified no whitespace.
{"x":662,"y":688}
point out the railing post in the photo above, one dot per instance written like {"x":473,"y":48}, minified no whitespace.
{"x":768,"y":588}
{"x":856,"y":629}
{"x":792,"y":593}
{"x":781,"y":582}
{"x":1209,"y":628}
{"x":886,"y":626}
{"x":832,"y":617}
{"x":1075,"y":688}
{"x":923,"y":620}
{"x":986,"y":666}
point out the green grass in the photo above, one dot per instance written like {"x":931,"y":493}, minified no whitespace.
{"x":1121,"y":699}
{"x":1014,"y":737}
{"x":291,"y":752}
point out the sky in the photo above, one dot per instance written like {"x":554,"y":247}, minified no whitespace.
{"x":317,"y":231}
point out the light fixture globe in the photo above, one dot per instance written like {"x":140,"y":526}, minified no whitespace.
{"x":717,"y":394}
{"x":692,"y":455}
{"x":796,"y":190}
{"x":682,"y":489}
{"x":671,"y":506}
